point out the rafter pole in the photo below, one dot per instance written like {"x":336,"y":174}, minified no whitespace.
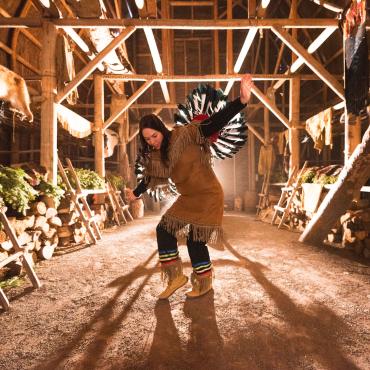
{"x":98,"y":124}
{"x":86,"y":71}
{"x":189,"y":24}
{"x":48,"y":139}
{"x":317,"y":67}
{"x":129,"y":102}
{"x":216,"y":43}
{"x":229,"y":40}
{"x":256,"y":133}
{"x":271,"y":106}
{"x":294,"y":119}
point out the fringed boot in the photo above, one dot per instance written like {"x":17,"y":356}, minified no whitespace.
{"x":202,"y":284}
{"x":173,"y":275}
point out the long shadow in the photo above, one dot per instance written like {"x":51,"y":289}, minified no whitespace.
{"x":103,"y":326}
{"x":313,"y":330}
{"x":205,"y":345}
{"x":166,"y":351}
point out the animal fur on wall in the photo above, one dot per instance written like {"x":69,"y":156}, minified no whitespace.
{"x":13,"y":89}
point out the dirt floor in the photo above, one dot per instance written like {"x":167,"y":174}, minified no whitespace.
{"x":277,"y":304}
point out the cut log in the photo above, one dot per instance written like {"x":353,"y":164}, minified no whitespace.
{"x":3,"y":255}
{"x":49,"y":201}
{"x":64,"y":241}
{"x":339,"y":198}
{"x":19,"y":226}
{"x":24,"y":238}
{"x":64,"y":232}
{"x":51,"y":212}
{"x":49,"y":234}
{"x":334,"y":238}
{"x":37,"y":245}
{"x":30,"y":246}
{"x":3,"y":236}
{"x":44,"y":228}
{"x":35,"y":234}
{"x":38,"y":208}
{"x":46,"y":252}
{"x":55,"y":221}
{"x":39,"y":222}
{"x":361,"y":234}
{"x":7,"y":245}
{"x":68,"y":218}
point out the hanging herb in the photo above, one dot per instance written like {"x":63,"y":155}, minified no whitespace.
{"x":16,"y":192}
{"x":88,"y":179}
{"x":116,"y":180}
{"x":52,"y":191}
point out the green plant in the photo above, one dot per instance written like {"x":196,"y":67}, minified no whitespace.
{"x":308,"y":176}
{"x":324,"y":179}
{"x":16,"y":192}
{"x":88,"y":179}
{"x":116,"y":180}
{"x":11,"y":283}
{"x":52,"y":191}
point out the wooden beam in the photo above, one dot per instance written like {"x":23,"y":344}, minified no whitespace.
{"x":48,"y":140}
{"x":294,"y":119}
{"x":191,"y":3}
{"x":180,"y":24}
{"x":317,"y":67}
{"x":129,"y":102}
{"x":216,"y":45}
{"x":256,"y":133}
{"x":86,"y":71}
{"x":270,"y":105}
{"x":98,"y":124}
{"x":211,"y":77}
{"x":229,"y":40}
{"x":19,"y":58}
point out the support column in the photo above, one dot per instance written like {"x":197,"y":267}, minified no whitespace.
{"x":216,"y":44}
{"x":229,"y":41}
{"x":98,"y":124}
{"x":251,"y":163}
{"x":352,"y":135}
{"x":294,"y":119}
{"x":48,"y":140}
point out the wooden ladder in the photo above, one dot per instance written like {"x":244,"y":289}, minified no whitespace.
{"x":264,"y":194}
{"x":19,"y":253}
{"x":287,"y":195}
{"x":79,"y":199}
{"x":118,"y":205}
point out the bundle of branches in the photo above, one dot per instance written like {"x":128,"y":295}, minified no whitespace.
{"x":116,"y":180}
{"x":88,"y":179}
{"x":15,"y":190}
{"x":321,"y":175}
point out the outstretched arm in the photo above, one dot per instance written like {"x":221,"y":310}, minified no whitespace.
{"x":220,"y":119}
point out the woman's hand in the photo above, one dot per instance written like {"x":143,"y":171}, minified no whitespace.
{"x":246,"y":85}
{"x":129,"y":195}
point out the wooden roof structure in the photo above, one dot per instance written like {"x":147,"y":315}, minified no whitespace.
{"x":294,"y":49}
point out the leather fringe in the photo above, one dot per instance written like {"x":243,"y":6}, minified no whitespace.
{"x":202,"y":233}
{"x":171,"y":271}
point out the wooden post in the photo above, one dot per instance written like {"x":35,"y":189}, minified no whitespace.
{"x":251,"y":163}
{"x":294,"y":118}
{"x":229,"y":40}
{"x":48,"y":140}
{"x":216,"y":44}
{"x":266,"y":112}
{"x":352,"y":136}
{"x":98,"y":124}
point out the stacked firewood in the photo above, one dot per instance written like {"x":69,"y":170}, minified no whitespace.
{"x":353,"y":231}
{"x":36,"y":233}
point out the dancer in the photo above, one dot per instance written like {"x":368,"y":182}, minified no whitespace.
{"x":183,"y":155}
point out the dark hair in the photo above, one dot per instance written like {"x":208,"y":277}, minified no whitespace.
{"x":155,"y":123}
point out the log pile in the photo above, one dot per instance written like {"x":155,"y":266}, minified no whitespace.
{"x":36,"y":233}
{"x":354,"y":232}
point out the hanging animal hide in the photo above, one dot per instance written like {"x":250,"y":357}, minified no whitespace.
{"x":356,"y":56}
{"x":76,"y":125}
{"x":111,"y":139}
{"x":13,"y":89}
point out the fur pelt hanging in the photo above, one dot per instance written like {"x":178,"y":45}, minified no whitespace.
{"x":353,"y":25}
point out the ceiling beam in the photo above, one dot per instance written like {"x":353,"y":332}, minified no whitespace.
{"x":211,"y":77}
{"x":271,"y":106}
{"x":181,"y":24}
{"x":311,"y":62}
{"x":86,"y":71}
{"x":128,"y":103}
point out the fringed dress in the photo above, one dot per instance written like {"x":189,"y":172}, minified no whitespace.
{"x":199,"y":206}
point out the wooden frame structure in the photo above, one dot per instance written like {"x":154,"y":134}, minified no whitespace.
{"x":256,"y":21}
